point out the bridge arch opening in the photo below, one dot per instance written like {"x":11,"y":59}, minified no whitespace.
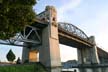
{"x":69,"y":57}
{"x":68,"y":53}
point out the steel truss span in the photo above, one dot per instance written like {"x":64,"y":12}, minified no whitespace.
{"x":73,"y":30}
{"x":24,"y":36}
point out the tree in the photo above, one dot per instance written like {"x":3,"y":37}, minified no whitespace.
{"x":18,"y":61}
{"x":14,"y":16}
{"x":10,"y":56}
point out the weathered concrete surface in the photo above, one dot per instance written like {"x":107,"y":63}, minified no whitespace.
{"x":88,"y":55}
{"x":50,"y":52}
{"x":93,"y":51}
{"x":25,"y":54}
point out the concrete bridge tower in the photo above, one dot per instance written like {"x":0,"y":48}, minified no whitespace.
{"x":49,"y":51}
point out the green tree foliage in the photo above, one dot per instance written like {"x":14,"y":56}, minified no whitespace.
{"x":10,"y":56}
{"x":14,"y":16}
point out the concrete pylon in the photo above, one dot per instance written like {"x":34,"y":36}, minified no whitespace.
{"x":79,"y":55}
{"x":49,"y":54}
{"x":83,"y":56}
{"x":25,"y":53}
{"x":93,"y":51}
{"x":88,"y":55}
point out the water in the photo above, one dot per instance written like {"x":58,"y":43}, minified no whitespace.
{"x":87,"y":69}
{"x":77,"y":70}
{"x":71,"y":69}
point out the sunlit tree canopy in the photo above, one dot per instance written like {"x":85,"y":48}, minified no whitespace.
{"x":14,"y":16}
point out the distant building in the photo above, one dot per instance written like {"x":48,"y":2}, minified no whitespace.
{"x":69,"y":64}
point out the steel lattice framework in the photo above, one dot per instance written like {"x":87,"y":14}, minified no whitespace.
{"x":28,"y":35}
{"x":73,"y":30}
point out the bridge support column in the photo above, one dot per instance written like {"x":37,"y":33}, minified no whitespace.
{"x":25,"y":54}
{"x":50,"y":52}
{"x":93,"y":52}
{"x":84,"y":56}
{"x":80,"y":56}
{"x":88,"y":55}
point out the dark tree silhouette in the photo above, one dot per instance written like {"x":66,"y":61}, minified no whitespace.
{"x":18,"y":61}
{"x":10,"y":56}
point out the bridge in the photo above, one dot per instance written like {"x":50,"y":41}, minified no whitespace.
{"x":45,"y":35}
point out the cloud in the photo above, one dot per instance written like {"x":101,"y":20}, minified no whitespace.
{"x":102,"y":26}
{"x":67,"y":6}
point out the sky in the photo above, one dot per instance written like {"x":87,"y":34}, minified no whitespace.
{"x":4,"y":49}
{"x":88,"y":15}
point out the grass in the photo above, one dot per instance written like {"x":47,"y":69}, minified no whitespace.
{"x":23,"y":68}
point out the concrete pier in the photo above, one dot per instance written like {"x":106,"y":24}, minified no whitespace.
{"x":25,"y":54}
{"x":88,"y":55}
{"x":50,"y":53}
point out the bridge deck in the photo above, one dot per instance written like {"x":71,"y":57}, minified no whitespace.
{"x":71,"y":40}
